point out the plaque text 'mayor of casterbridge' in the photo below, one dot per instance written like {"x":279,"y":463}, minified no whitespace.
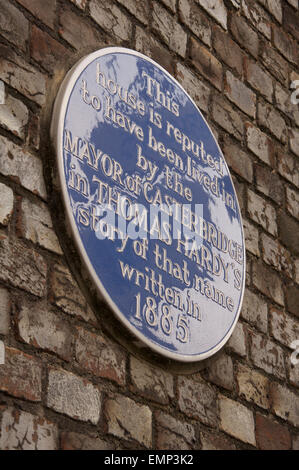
{"x":151,"y":203}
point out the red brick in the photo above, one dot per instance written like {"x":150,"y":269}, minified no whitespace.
{"x":271,"y":435}
{"x":216,"y":442}
{"x":206,"y":63}
{"x":20,"y":376}
{"x":228,"y":50}
{"x":45,"y":50}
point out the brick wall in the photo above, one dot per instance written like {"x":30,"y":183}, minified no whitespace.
{"x":65,"y":383}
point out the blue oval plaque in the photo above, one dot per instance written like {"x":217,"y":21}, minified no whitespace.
{"x":151,"y":203}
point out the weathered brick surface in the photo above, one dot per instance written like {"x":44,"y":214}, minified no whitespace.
{"x":6,"y":204}
{"x":262,"y":212}
{"x":173,"y":432}
{"x":216,"y":442}
{"x":73,"y":396}
{"x":274,"y":7}
{"x":275,"y":63}
{"x":221,"y":372}
{"x":240,"y":94}
{"x":228,"y":50}
{"x":258,"y":143}
{"x":197,"y":399}
{"x":36,"y":225}
{"x":215,"y":8}
{"x":292,"y":298}
{"x":171,"y":32}
{"x":237,"y":420}
{"x":149,"y":46}
{"x":129,"y":420}
{"x":255,"y":311}
{"x":195,"y":20}
{"x":45,"y":50}
{"x":267,"y":355}
{"x":65,"y":294}
{"x":20,"y":376}
{"x":288,"y":229}
{"x":206,"y":63}
{"x":14,"y":116}
{"x":76,"y":441}
{"x":227,"y":117}
{"x":4,"y":311}
{"x":22,"y":267}
{"x":22,"y":167}
{"x":111,"y":18}
{"x":271,"y":435}
{"x":44,"y":11}
{"x":23,"y":77}
{"x":45,"y":330}
{"x":151,"y":382}
{"x":77,"y":32}
{"x":198,"y":91}
{"x":245,"y":35}
{"x":23,"y":431}
{"x":292,"y":201}
{"x":237,"y":341}
{"x":14,"y":26}
{"x":269,"y":183}
{"x":99,"y":356}
{"x":251,"y":235}
{"x":270,"y":118}
{"x":257,"y":16}
{"x":66,"y":383}
{"x":276,"y":255}
{"x":285,"y":403}
{"x":253,"y":386}
{"x":286,"y":45}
